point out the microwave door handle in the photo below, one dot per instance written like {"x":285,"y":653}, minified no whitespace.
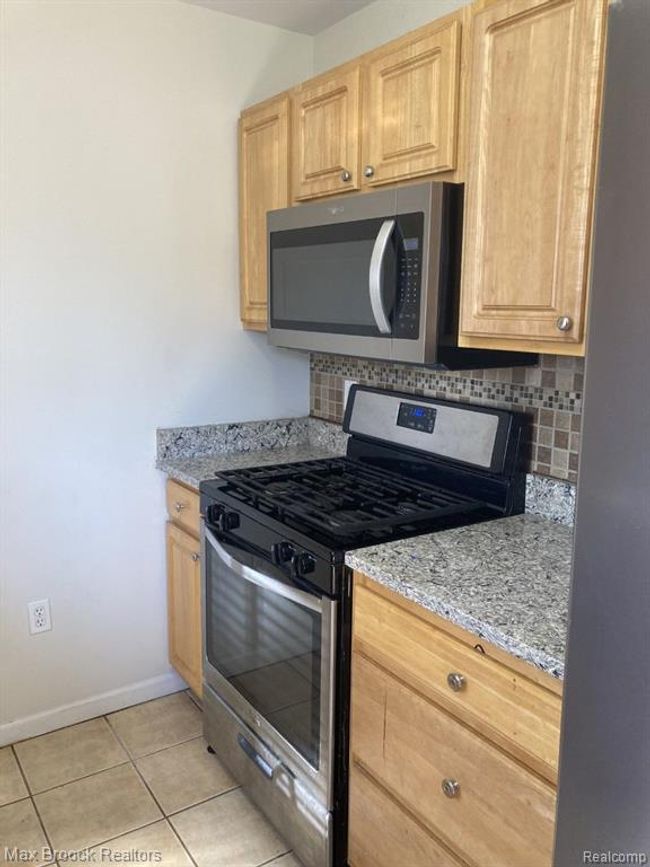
{"x":307,"y":600}
{"x":376,"y":276}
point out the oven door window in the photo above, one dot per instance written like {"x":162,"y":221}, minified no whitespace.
{"x":268,"y":646}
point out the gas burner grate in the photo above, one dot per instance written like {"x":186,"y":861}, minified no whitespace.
{"x":342,"y":496}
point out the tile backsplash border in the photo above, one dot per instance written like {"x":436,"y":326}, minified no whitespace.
{"x":550,"y":394}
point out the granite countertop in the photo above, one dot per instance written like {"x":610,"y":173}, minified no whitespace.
{"x":505,"y":580}
{"x":193,"y":454}
{"x":193,"y":470}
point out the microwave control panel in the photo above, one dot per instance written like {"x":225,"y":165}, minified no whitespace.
{"x":406,"y":323}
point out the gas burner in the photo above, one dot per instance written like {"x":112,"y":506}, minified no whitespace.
{"x":342,"y":496}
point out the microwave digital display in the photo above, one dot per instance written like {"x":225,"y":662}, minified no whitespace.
{"x":415,"y":417}
{"x":411,"y":244}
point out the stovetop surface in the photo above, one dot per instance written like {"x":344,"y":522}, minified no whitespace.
{"x":342,"y":502}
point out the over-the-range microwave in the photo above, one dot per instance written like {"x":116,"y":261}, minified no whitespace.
{"x":375,"y":275}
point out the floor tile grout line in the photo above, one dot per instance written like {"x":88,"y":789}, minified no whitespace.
{"x":28,"y":793}
{"x":79,"y":779}
{"x":165,"y":817}
{"x":22,"y":773}
{"x":164,"y":749}
{"x":175,"y":813}
{"x":271,"y":861}
{"x":132,"y":755}
{"x":33,"y":802}
{"x":116,"y":837}
{"x":133,"y":758}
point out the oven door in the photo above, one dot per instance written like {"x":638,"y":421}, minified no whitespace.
{"x":269,"y":651}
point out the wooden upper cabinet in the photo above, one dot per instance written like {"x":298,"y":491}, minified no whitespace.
{"x":263,"y":186}
{"x":411,"y":105}
{"x":536,"y":70}
{"x":326,"y":132}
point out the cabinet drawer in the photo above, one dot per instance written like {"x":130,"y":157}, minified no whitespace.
{"x":183,"y":506}
{"x":504,"y":705}
{"x":383,"y":835}
{"x":502,"y":815}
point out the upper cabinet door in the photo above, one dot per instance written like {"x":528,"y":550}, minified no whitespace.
{"x":326,"y":132}
{"x":263,"y":186}
{"x":411,"y":105}
{"x":536,"y":71}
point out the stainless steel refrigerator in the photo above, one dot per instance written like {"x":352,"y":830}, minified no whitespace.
{"x":604,"y":787}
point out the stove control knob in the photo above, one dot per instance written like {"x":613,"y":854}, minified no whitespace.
{"x":303,"y":564}
{"x":213,"y":513}
{"x":227,"y":521}
{"x":282,"y":552}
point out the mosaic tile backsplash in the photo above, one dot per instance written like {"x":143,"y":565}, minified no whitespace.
{"x":551,"y":394}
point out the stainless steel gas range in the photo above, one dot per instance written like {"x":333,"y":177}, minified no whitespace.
{"x":277,"y":593}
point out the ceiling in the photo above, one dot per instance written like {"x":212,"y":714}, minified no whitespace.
{"x":303,"y":16}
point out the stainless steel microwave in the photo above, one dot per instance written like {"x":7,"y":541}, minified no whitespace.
{"x":375,"y":275}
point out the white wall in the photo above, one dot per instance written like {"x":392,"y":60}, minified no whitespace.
{"x":373,"y":25}
{"x":120,"y":314}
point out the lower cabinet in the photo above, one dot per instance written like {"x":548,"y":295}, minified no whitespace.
{"x":430,"y":780}
{"x":184,"y":604}
{"x":382,"y":834}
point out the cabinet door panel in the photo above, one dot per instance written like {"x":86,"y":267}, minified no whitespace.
{"x":535,"y":105}
{"x":184,"y":606}
{"x":263,"y":186}
{"x":411,"y":106}
{"x":326,"y":135}
{"x":381,"y":834}
{"x":501,"y":813}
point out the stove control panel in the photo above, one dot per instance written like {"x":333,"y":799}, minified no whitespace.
{"x":416,"y":417}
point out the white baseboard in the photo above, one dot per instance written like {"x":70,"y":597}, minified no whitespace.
{"x":96,"y":705}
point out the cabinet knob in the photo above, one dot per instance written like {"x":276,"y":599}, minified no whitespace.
{"x":456,"y":681}
{"x":180,"y":506}
{"x":369,"y":171}
{"x":346,"y":176}
{"x":564,"y":323}
{"x":451,"y":788}
{"x":196,"y":557}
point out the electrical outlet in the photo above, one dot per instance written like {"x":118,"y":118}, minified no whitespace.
{"x":39,"y":616}
{"x":347,"y":384}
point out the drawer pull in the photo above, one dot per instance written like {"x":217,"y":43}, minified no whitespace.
{"x":456,"y":681}
{"x":180,"y":506}
{"x":451,"y":788}
{"x":196,"y":557}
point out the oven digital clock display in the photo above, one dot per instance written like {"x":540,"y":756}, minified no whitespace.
{"x":415,"y":417}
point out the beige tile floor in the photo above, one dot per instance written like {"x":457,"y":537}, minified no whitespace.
{"x":138,"y":780}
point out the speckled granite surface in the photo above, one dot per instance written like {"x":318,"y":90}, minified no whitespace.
{"x":193,"y":470}
{"x":192,"y":454}
{"x":506,"y":581}
{"x":209,"y":439}
{"x":551,"y":499}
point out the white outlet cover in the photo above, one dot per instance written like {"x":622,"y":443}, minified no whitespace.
{"x":347,"y":384}
{"x":39,"y":616}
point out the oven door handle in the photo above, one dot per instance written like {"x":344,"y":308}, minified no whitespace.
{"x":376,"y":276}
{"x":300,"y":597}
